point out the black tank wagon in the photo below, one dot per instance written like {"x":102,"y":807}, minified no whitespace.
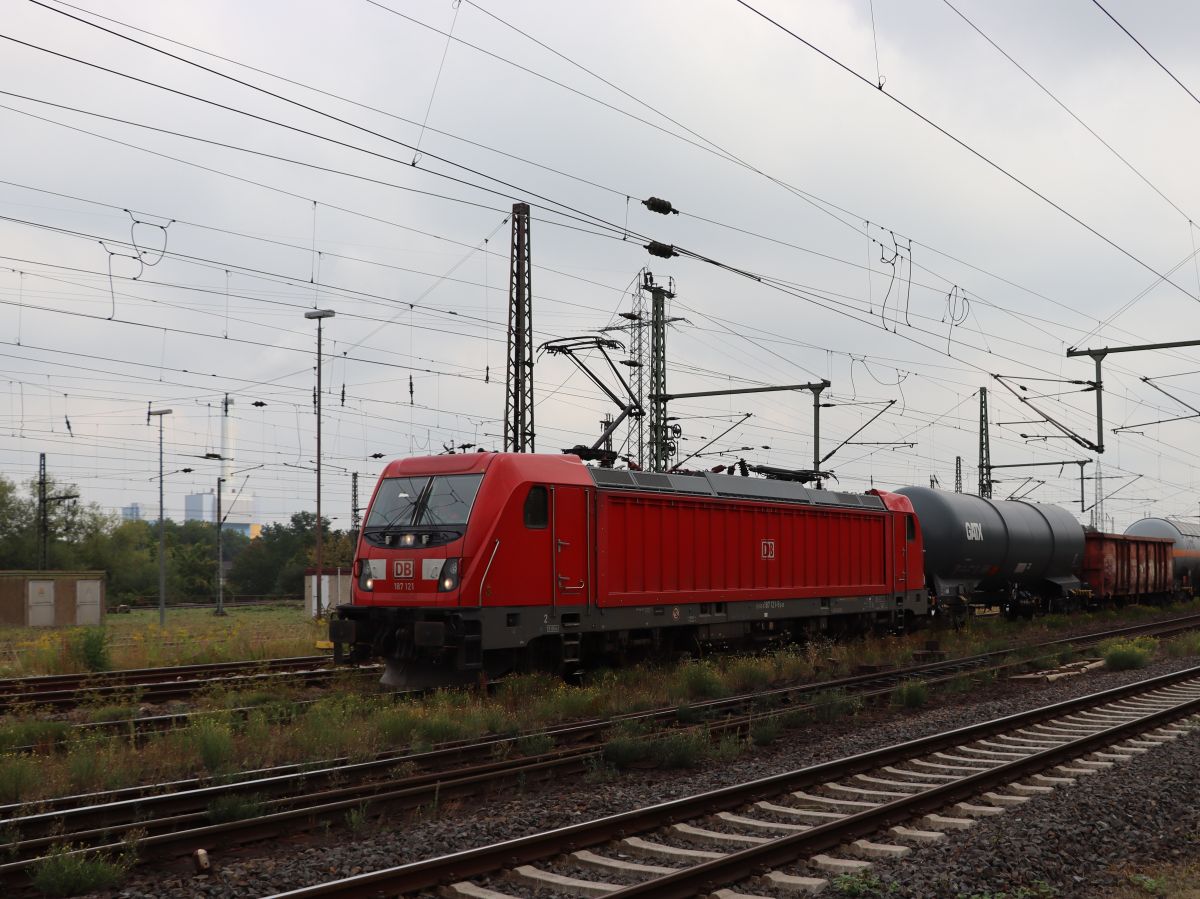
{"x":1021,"y":556}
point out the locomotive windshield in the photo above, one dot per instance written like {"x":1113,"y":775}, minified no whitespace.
{"x":444,"y":500}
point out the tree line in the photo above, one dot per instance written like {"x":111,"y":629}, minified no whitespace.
{"x":84,"y":537}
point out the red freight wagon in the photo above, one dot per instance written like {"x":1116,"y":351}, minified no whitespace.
{"x":493,"y":562}
{"x":1125,"y":568}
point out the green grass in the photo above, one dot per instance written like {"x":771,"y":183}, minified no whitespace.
{"x":136,"y":640}
{"x":860,"y":885}
{"x":64,"y":872}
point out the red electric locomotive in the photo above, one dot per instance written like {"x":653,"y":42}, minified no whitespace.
{"x":482,"y":564}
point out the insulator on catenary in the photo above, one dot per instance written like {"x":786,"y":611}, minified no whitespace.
{"x":661,"y":206}
{"x":665,"y":250}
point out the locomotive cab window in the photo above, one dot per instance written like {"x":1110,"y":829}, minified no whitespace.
{"x":910,"y":527}
{"x":537,"y":507}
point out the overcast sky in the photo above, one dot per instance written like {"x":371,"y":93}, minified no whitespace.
{"x":142,"y":267}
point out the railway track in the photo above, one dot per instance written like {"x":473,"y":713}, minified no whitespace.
{"x":791,"y":833}
{"x":172,"y":819}
{"x":62,"y":691}
{"x":143,"y":726}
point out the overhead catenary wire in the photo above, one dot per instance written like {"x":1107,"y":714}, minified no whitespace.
{"x":973,"y":151}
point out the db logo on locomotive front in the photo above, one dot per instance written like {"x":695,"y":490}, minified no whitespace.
{"x":403,"y":568}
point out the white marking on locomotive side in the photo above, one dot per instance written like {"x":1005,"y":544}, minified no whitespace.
{"x":974,"y":530}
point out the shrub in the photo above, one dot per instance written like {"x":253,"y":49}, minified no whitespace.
{"x":396,"y":725}
{"x":728,"y":748}
{"x":698,"y":680}
{"x":910,"y":694}
{"x":212,"y":741}
{"x":626,"y":745}
{"x":88,"y":648}
{"x":235,"y":808}
{"x":680,"y":750}
{"x":830,"y":705}
{"x":687,"y":714}
{"x":66,"y":872}
{"x":1183,"y":646}
{"x":356,"y":819}
{"x":960,"y":683}
{"x":35,"y":733}
{"x":764,"y":733}
{"x":439,"y":727}
{"x":1123,"y":655}
{"x":535,"y":744}
{"x":17,"y":775}
{"x":625,"y":751}
{"x":111,"y":713}
{"x":746,"y":675}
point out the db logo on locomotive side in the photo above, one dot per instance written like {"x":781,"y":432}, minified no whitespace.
{"x":403,"y":568}
{"x":768,"y":549}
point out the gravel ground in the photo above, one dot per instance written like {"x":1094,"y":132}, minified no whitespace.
{"x":1145,"y":809}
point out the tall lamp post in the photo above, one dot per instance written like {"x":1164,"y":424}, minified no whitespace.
{"x":162,"y":530}
{"x":320,"y":315}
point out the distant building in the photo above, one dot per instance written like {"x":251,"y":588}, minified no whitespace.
{"x":200,"y":507}
{"x":132,"y":512}
{"x":239,"y":515}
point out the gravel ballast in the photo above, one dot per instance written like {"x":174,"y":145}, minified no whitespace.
{"x":1064,"y":844}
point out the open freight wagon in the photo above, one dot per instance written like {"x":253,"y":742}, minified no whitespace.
{"x":1123,"y":568}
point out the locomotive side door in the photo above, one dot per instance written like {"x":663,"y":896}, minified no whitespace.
{"x":570,"y":544}
{"x":904,"y":529}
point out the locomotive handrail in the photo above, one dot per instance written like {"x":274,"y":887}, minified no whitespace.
{"x":483,"y":580}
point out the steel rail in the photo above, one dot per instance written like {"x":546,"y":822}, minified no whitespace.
{"x":150,"y":724}
{"x":141,"y":726}
{"x":146,"y":675}
{"x":186,"y":794}
{"x":483,"y":860}
{"x":737,"y":866}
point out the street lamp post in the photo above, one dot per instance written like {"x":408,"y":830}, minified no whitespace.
{"x":162,"y":529}
{"x":320,"y":315}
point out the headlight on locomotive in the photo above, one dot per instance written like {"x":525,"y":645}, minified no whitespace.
{"x":363,"y":571}
{"x":449,"y":578}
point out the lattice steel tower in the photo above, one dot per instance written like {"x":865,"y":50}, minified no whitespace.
{"x":660,"y":455}
{"x":518,"y":396}
{"x":985,"y":448}
{"x":637,"y":362}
